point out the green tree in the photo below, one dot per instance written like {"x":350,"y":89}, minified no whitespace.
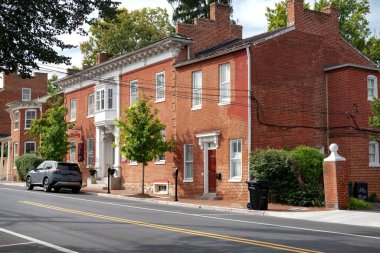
{"x":372,"y":49}
{"x":128,"y":31}
{"x":374,"y":120}
{"x":51,"y":131}
{"x":140,"y":136}
{"x":352,"y":18}
{"x":52,"y":88}
{"x":29,"y":30}
{"x":186,"y":10}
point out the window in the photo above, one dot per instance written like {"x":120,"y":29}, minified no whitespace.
{"x":372,"y":87}
{"x":90,"y":151}
{"x":235,"y":160}
{"x":160,"y":87}
{"x":1,"y":80}
{"x":188,"y":163}
{"x":161,"y":159}
{"x":30,"y":147}
{"x":16,"y":119}
{"x":224,"y":84}
{"x":73,"y":110}
{"x":90,"y":104}
{"x":26,"y":94}
{"x":197,"y":90}
{"x":133,"y":92}
{"x":110,"y":99}
{"x":373,"y":153}
{"x":15,"y":150}
{"x":72,"y":152}
{"x":29,"y":116}
{"x":133,"y":162}
{"x":99,"y":100}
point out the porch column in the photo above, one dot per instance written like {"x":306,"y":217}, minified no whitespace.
{"x":2,"y":157}
{"x":9,"y":160}
{"x":205,"y":167}
{"x":116,"y":164}
{"x":98,"y":151}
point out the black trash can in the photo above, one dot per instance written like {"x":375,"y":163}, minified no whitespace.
{"x":258,"y":194}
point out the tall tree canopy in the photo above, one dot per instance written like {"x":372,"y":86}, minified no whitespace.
{"x":128,"y":31}
{"x":29,"y":30}
{"x":186,"y":10}
{"x":353,"y":25}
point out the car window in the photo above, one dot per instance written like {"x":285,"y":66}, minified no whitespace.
{"x":68,"y":167}
{"x":41,"y":166}
{"x":48,"y":165}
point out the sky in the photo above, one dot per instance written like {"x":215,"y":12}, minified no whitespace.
{"x":248,"y":13}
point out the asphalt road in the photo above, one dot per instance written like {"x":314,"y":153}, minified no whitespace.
{"x":35,"y":221}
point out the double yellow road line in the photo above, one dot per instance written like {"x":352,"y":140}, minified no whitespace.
{"x":178,"y":230}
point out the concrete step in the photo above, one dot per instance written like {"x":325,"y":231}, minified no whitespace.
{"x":209,"y":196}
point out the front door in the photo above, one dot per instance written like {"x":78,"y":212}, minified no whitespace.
{"x":212,"y":171}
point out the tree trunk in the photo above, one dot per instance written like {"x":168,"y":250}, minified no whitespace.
{"x":142,"y":180}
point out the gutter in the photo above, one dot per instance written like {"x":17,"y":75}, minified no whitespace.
{"x":248,"y":47}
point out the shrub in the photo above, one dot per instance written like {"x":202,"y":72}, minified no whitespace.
{"x":294,"y":175}
{"x":358,"y":204}
{"x":372,"y":198}
{"x":25,"y":163}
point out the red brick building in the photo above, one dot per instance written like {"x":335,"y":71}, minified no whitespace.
{"x":222,"y":96}
{"x":20,"y":103}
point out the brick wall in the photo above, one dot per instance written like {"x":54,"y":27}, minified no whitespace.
{"x":13,"y":85}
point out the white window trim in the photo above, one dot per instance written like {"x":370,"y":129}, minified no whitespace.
{"x":35,"y":117}
{"x":196,"y":107}
{"x":221,"y":103}
{"x":133,"y":163}
{"x":28,"y":142}
{"x":108,"y":99}
{"x":93,"y":105}
{"x":88,"y":151}
{"x":376,"y":163}
{"x":14,"y":120}
{"x":156,"y":186}
{"x":130,"y":91}
{"x":375,"y":90}
{"x":160,"y":99}
{"x":187,"y":180}
{"x":71,"y":110}
{"x":30,"y":94}
{"x":236,"y":179}
{"x":15,"y":149}
{"x":99,"y":100}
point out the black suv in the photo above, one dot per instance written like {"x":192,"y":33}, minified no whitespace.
{"x":57,"y":175}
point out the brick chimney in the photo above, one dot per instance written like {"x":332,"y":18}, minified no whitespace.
{"x":101,"y":57}
{"x":207,"y":33}
{"x":295,"y":11}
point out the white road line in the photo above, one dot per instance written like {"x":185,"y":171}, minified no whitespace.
{"x":46,"y":244}
{"x":201,"y":215}
{"x":15,"y":244}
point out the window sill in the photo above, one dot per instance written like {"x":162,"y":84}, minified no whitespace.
{"x":225,"y":103}
{"x":159,"y":101}
{"x":73,"y":120}
{"x":160,"y":162}
{"x":15,"y":129}
{"x":90,"y":116}
{"x":372,"y":165}
{"x":235,"y":180}
{"x":133,"y":164}
{"x":371,"y":99}
{"x":196,"y":108}
{"x":188,"y":180}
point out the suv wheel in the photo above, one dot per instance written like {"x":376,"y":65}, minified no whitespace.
{"x":29,"y":185}
{"x":47,"y":187}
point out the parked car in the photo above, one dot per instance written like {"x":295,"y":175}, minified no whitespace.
{"x":56,"y":175}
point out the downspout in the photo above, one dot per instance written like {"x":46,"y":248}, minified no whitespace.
{"x":248,"y":47}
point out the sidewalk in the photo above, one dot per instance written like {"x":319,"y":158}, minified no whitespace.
{"x":357,"y":218}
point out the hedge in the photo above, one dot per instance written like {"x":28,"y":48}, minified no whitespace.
{"x":25,"y":163}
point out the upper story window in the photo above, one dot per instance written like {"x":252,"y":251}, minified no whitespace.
{"x":188,"y":163}
{"x":133,"y":92}
{"x":30,"y":115}
{"x":90,"y":104}
{"x":16,"y":120}
{"x":224,"y":84}
{"x":235,"y":160}
{"x":373,"y":153}
{"x":110,"y":98}
{"x":73,"y":110}
{"x":30,"y":147}
{"x":100,"y":100}
{"x":372,"y":87}
{"x":26,"y":94}
{"x":15,"y":150}
{"x":90,"y":151}
{"x":160,"y":87}
{"x":197,"y":90}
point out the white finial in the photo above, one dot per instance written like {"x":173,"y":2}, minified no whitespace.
{"x":334,"y":156}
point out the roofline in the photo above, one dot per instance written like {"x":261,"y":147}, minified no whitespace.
{"x":234,"y":49}
{"x":358,"y":51}
{"x":123,"y":56}
{"x":350,"y":65}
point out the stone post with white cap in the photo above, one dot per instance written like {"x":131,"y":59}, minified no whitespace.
{"x":335,"y":177}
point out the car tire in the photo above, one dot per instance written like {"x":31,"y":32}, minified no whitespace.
{"x":46,"y":185}
{"x":28,"y":184}
{"x":57,"y":189}
{"x":75,"y":190}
